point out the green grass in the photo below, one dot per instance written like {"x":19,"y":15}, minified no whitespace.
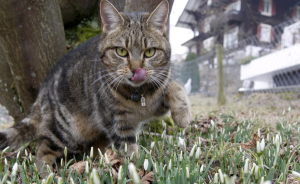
{"x":219,"y":148}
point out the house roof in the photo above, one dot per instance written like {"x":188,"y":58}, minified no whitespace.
{"x":186,"y":18}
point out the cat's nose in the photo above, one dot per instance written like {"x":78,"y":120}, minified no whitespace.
{"x":134,"y":66}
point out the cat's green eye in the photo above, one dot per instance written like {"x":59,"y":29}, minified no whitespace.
{"x":121,"y":51}
{"x":150,"y":52}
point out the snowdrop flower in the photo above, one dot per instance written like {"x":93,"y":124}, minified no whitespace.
{"x":221,"y":176}
{"x":180,"y":141}
{"x":229,"y":180}
{"x":96,"y":177}
{"x":92,"y":153}
{"x":187,"y":173}
{"x":267,"y":182}
{"x":171,"y":139}
{"x":18,"y":155}
{"x":212,"y":123}
{"x":49,"y":169}
{"x":59,"y":180}
{"x":260,"y":146}
{"x":87,"y":170}
{"x":14,"y":170}
{"x":201,"y":168}
{"x":268,"y":137}
{"x":131,"y":156}
{"x":216,"y":178}
{"x":152,"y":144}
{"x":50,"y":178}
{"x":121,"y":171}
{"x":198,"y":152}
{"x":163,"y":135}
{"x":146,"y":163}
{"x":170,"y":165}
{"x":66,"y":152}
{"x":296,"y":174}
{"x":5,"y":161}
{"x":164,"y":124}
{"x":62,"y":162}
{"x":192,"y":151}
{"x":71,"y":180}
{"x":125,"y":148}
{"x":180,"y":156}
{"x":106,"y":159}
{"x":7,"y":149}
{"x":258,"y":132}
{"x":246,"y":166}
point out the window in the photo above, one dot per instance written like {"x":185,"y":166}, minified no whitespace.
{"x":236,"y":6}
{"x":208,"y":43}
{"x":231,"y":37}
{"x":265,"y":32}
{"x":267,"y":7}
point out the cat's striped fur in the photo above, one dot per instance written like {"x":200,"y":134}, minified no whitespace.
{"x":86,"y":99}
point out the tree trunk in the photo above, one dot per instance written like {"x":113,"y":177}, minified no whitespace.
{"x":221,"y":92}
{"x":32,"y":40}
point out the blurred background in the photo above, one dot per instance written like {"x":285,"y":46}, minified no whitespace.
{"x":228,"y":54}
{"x":238,"y":49}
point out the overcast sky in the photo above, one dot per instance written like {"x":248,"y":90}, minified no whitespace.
{"x":178,"y":35}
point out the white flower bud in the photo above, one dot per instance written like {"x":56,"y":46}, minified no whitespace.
{"x":201,"y":168}
{"x":296,"y":174}
{"x":258,"y":147}
{"x":170,"y":165}
{"x":71,"y":180}
{"x":192,"y":151}
{"x":14,"y":170}
{"x":187,"y":173}
{"x":212,"y":123}
{"x":198,"y":152}
{"x":216,"y":178}
{"x":180,"y":156}
{"x":262,"y":145}
{"x":134,"y":175}
{"x":66,"y":152}
{"x":106,"y":159}
{"x":152,"y":144}
{"x":180,"y":141}
{"x":221,"y":176}
{"x":96,"y":177}
{"x":146,"y":164}
{"x":87,"y":169}
{"x":92,"y":153}
{"x":121,"y":172}
{"x":59,"y":180}
{"x":246,"y":166}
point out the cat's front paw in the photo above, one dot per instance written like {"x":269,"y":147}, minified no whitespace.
{"x":181,"y":120}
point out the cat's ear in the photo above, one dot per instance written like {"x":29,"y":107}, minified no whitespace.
{"x":159,"y":17}
{"x":110,"y":16}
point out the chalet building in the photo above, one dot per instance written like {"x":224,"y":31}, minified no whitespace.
{"x":229,"y":21}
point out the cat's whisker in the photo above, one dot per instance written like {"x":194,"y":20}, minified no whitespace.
{"x":108,"y":74}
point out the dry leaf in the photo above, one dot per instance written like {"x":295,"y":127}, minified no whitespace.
{"x":147,"y":178}
{"x":113,"y":158}
{"x":79,"y":167}
{"x":251,"y":143}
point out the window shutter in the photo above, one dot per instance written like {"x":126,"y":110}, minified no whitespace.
{"x":273,"y":8}
{"x":294,"y":14}
{"x":260,"y":6}
{"x":272,"y":34}
{"x":259,"y":32}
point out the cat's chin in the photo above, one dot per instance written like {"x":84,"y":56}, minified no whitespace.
{"x":135,"y":84}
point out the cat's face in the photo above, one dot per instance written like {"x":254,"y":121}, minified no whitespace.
{"x":134,"y":48}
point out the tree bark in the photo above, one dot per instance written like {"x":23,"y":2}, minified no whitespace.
{"x":32,"y":40}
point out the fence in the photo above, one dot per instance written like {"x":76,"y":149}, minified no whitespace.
{"x":252,"y":65}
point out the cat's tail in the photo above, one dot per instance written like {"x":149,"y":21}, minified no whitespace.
{"x":18,"y":134}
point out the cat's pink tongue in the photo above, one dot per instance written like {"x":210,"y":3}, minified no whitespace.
{"x":139,"y":75}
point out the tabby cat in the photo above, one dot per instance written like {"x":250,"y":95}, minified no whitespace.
{"x":101,"y":92}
